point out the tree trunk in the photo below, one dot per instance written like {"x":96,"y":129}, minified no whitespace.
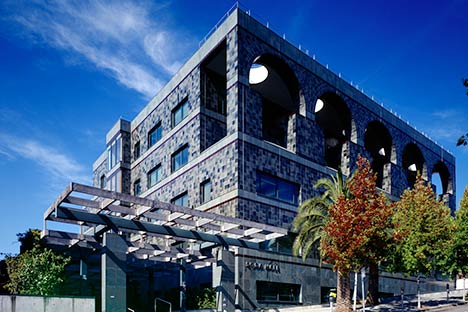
{"x":374,"y":284}
{"x":343,"y":293}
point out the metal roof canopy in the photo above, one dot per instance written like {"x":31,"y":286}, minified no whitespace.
{"x":154,"y":229}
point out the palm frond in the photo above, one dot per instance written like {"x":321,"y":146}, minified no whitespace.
{"x":312,"y":215}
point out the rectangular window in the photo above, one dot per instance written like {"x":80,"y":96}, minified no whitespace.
{"x":102,"y":182}
{"x":276,"y":188}
{"x":205,"y":191}
{"x":180,"y":200}
{"x":113,"y":153}
{"x":179,"y":112}
{"x":136,"y":150}
{"x":154,"y":175}
{"x":154,"y":135}
{"x":179,"y":158}
{"x":137,"y":187}
{"x":278,"y":292}
{"x":113,"y":182}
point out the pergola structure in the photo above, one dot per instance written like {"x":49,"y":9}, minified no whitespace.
{"x":146,"y":229}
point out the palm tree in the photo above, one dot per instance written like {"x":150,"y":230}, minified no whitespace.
{"x":312,"y":215}
{"x":310,"y":222}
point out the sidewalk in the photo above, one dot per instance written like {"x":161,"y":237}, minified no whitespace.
{"x":429,"y":302}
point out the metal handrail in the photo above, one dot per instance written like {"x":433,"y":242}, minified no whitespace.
{"x":222,"y":19}
{"x":164,"y":301}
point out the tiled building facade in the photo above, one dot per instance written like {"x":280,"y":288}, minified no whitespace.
{"x":215,"y":139}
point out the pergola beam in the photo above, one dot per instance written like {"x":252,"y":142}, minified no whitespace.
{"x":120,"y":223}
{"x":155,"y":204}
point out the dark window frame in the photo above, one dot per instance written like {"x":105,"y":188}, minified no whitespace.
{"x":156,"y":169}
{"x":114,"y":153}
{"x":178,"y":197}
{"x":137,"y":187}
{"x":136,"y":150}
{"x":182,"y":107}
{"x":178,"y":152}
{"x":277,"y":292}
{"x":203,"y":197}
{"x":157,"y":129}
{"x":278,"y":186}
{"x":102,"y":181}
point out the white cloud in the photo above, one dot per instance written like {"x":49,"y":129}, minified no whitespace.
{"x":154,"y":46}
{"x":58,"y":164}
{"x":5,"y":153}
{"x":445,"y":114}
{"x":446,"y":126}
{"x":122,"y":38}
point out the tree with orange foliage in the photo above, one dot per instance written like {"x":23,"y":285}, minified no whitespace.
{"x":358,"y":230}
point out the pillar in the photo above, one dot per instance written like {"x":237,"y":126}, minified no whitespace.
{"x":223,"y":280}
{"x":182,"y":286}
{"x":113,"y":276}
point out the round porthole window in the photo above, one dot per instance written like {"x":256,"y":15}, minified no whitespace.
{"x":258,"y":73}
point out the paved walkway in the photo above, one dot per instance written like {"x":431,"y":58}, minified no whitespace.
{"x":429,"y":302}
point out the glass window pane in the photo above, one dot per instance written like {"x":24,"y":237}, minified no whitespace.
{"x":180,"y":112}
{"x":157,"y":174}
{"x":266,"y":186}
{"x":179,"y":158}
{"x":113,"y":153}
{"x":154,"y":135}
{"x":205,"y":190}
{"x":278,"y":292}
{"x":109,"y":159}
{"x":136,"y":150}
{"x":277,"y":188}
{"x":184,"y":156}
{"x":154,"y":176}
{"x":184,"y":110}
{"x":103,"y":182}
{"x":181,"y":200}
{"x":287,"y":192}
{"x":137,"y":188}
{"x":117,"y":151}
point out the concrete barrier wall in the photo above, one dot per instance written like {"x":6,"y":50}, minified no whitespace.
{"x":45,"y":304}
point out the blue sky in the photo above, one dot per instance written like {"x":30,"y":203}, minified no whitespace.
{"x":69,"y":70}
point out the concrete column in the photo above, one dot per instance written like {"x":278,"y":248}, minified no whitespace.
{"x":223,"y":281}
{"x":113,"y":275}
{"x":292,"y":133}
{"x":387,"y":177}
{"x":182,"y":286}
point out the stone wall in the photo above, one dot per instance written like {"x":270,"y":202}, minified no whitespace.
{"x":46,"y":304}
{"x":309,"y":136}
{"x":315,"y":278}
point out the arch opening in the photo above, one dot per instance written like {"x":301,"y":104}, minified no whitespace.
{"x":272,"y":78}
{"x":334,"y":117}
{"x":440,"y":180}
{"x":413,"y":163}
{"x":378,"y":142}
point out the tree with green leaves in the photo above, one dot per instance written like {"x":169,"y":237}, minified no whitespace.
{"x":312,"y":215}
{"x":463,"y":140}
{"x":457,"y":260}
{"x":357,"y":231}
{"x":425,"y":227}
{"x":201,"y":298}
{"x":36,"y":270}
{"x":312,"y":218}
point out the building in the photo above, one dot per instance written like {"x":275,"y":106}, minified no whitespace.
{"x":244,"y":129}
